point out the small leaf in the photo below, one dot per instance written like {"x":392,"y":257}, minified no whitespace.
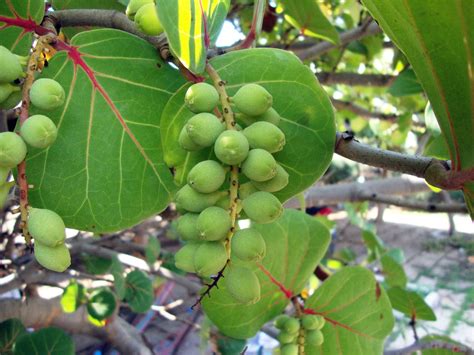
{"x":119,"y":280}
{"x":51,"y":341}
{"x":436,"y":147}
{"x":405,"y":84}
{"x":393,"y":272}
{"x":138,"y":291}
{"x":96,"y":265}
{"x":230,"y":346}
{"x":410,"y":303}
{"x":101,"y":304}
{"x":374,"y":245}
{"x":439,"y":351}
{"x":357,"y":312}
{"x":73,"y":296}
{"x":152,"y":250}
{"x":88,"y":4}
{"x":10,"y":331}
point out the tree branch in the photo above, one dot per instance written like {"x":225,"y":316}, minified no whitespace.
{"x":354,"y":79}
{"x":458,"y":348}
{"x":361,"y":111}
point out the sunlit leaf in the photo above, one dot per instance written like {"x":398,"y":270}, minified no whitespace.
{"x":73,"y":297}
{"x":410,"y":303}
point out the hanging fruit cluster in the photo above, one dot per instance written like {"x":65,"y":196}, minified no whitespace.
{"x":143,"y":12}
{"x":243,"y":157}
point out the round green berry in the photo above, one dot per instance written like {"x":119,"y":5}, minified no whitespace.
{"x":11,"y":66}
{"x":47,"y":94}
{"x":201,"y":97}
{"x":6,"y":89}
{"x":246,"y":190}
{"x":231,"y":147}
{"x":210,"y":258}
{"x":184,"y":258}
{"x":214,"y":223}
{"x":146,"y":19}
{"x":248,"y":245}
{"x":280,"y":321}
{"x":206,"y":176}
{"x":292,"y":325}
{"x":12,"y":149}
{"x":314,"y":337}
{"x":260,"y":165}
{"x":190,"y":200}
{"x":266,"y":136}
{"x":204,"y":128}
{"x":286,"y":338}
{"x":312,"y":322}
{"x":46,"y":227}
{"x":134,"y":6}
{"x":289,"y":349}
{"x":186,"y":142}
{"x":276,"y":183}
{"x":252,"y":100}
{"x":12,"y":101}
{"x":262,"y":207}
{"x":243,"y":284}
{"x":186,"y":226}
{"x":56,"y":259}
{"x":39,"y":131}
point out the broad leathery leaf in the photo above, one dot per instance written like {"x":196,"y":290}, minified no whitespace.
{"x":18,"y":20}
{"x":438,"y":41}
{"x":295,"y":244}
{"x":306,"y":16}
{"x":405,"y":84}
{"x":73,"y":297}
{"x":393,"y":271}
{"x":189,"y":25}
{"x":308,"y":117}
{"x":105,"y":172}
{"x":51,"y":341}
{"x":410,"y":303}
{"x":88,"y":4}
{"x":138,"y":291}
{"x":10,"y":331}
{"x":357,"y":312}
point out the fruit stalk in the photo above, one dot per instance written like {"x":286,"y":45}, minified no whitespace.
{"x":234,"y":169}
{"x":299,"y":314}
{"x":32,"y":66}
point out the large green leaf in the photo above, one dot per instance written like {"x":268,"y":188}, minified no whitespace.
{"x":295,"y":245}
{"x":51,"y":341}
{"x":410,"y":303}
{"x":18,"y":20}
{"x":105,"y":171}
{"x":308,"y":121}
{"x":306,"y":16}
{"x":189,"y":25}
{"x":88,"y":4}
{"x":10,"y":331}
{"x":357,"y":312}
{"x":438,"y":41}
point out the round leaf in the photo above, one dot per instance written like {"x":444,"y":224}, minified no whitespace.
{"x":101,"y":304}
{"x":52,"y":341}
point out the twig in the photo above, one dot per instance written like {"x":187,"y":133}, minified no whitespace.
{"x":361,"y":111}
{"x":209,"y":287}
{"x":354,"y":79}
{"x":436,"y":344}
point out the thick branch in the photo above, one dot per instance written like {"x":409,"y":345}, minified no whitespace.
{"x":361,"y":111}
{"x":354,"y":79}
{"x":462,"y":349}
{"x":38,"y":313}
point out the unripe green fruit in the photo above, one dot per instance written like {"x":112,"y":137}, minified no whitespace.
{"x":206,"y":176}
{"x":266,"y":136}
{"x":46,"y":227}
{"x":223,"y":202}
{"x":289,"y":349}
{"x":312,"y":322}
{"x":204,"y":128}
{"x":260,"y":165}
{"x":314,"y":337}
{"x":231,"y":147}
{"x":39,"y":131}
{"x":201,"y":97}
{"x":5,"y":191}
{"x":280,"y":321}
{"x":134,"y":6}
{"x":190,"y":200}
{"x":276,"y":183}
{"x":147,"y":20}
{"x":184,"y":258}
{"x":4,"y":172}
{"x":12,"y":101}
{"x":186,"y":225}
{"x":210,"y":258}
{"x":262,"y":207}
{"x":270,"y":116}
{"x":249,"y":245}
{"x":243,"y":284}
{"x":252,"y":100}
{"x":12,"y":149}
{"x":47,"y":94}
{"x":56,"y":259}
{"x":292,"y":325}
{"x":246,"y":190}
{"x":214,"y":223}
{"x":11,"y":66}
{"x":6,"y":89}
{"x":286,"y":338}
{"x":186,"y":142}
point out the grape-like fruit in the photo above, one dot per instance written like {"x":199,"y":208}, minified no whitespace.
{"x":276,"y":183}
{"x":147,"y":20}
{"x":47,"y":94}
{"x":39,"y":131}
{"x":262,"y":207}
{"x":46,"y":227}
{"x":243,"y":284}
{"x":214,"y":223}
{"x":314,"y":337}
{"x":286,"y":338}
{"x":249,"y":245}
{"x":6,"y":89}
{"x":280,"y":321}
{"x":246,"y":190}
{"x":204,"y":128}
{"x":134,"y":6}
{"x":184,"y":258}
{"x":260,"y":165}
{"x":190,"y":200}
{"x":210,"y":258}
{"x":201,"y":97}
{"x":12,"y":149}
{"x":266,"y":136}
{"x":4,"y":172}
{"x":206,"y":176}
{"x":186,"y":142}
{"x":186,"y":226}
{"x":56,"y":259}
{"x":292,"y":325}
{"x":252,"y":100}
{"x":289,"y":349}
{"x":270,"y":116}
{"x":312,"y":322}
{"x":11,"y":66}
{"x":12,"y":101}
{"x":231,"y":147}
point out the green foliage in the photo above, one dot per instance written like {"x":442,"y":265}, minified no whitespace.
{"x":138,"y":291}
{"x":393,"y":272}
{"x":410,"y":303}
{"x":406,"y":83}
{"x":101,"y":304}
{"x":116,"y":270}
{"x":52,"y":341}
{"x":73,"y":297}
{"x":152,"y":250}
{"x":96,"y":265}
{"x":10,"y":331}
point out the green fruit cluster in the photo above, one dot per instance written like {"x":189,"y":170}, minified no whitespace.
{"x":206,"y":227}
{"x":295,"y":332}
{"x":11,"y":69}
{"x":49,"y":233}
{"x":143,"y":12}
